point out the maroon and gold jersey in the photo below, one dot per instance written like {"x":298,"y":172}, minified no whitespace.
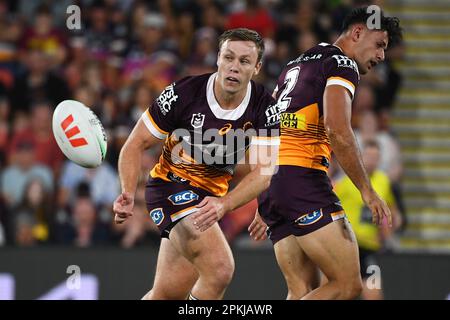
{"x":300,"y":88}
{"x":203,"y":142}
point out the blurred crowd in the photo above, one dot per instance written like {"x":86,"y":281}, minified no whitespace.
{"x":125,"y":53}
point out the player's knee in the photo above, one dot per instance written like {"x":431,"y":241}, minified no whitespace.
{"x":225,"y":271}
{"x":222,"y":273}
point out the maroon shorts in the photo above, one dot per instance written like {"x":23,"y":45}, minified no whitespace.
{"x":169,"y":202}
{"x":298,"y":201}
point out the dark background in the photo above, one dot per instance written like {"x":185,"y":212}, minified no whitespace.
{"x":128,"y":274}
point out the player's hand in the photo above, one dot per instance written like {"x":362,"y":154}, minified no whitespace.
{"x":211,"y":210}
{"x":257,"y":228}
{"x":123,"y":207}
{"x":378,"y":207}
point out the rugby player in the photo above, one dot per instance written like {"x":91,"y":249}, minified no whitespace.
{"x":307,"y":223}
{"x":186,"y":194}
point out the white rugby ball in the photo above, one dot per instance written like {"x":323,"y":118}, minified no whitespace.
{"x":79,"y":133}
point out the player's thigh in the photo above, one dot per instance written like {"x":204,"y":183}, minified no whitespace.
{"x":297,"y":267}
{"x":333,"y":248}
{"x":208,"y":250}
{"x":175,"y":275}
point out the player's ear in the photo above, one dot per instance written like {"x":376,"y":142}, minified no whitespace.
{"x":356,"y":32}
{"x":257,"y":68}
{"x":218,"y":57}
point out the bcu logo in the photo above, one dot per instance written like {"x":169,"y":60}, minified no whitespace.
{"x":183,"y":197}
{"x":309,"y":218}
{"x":157,"y":216}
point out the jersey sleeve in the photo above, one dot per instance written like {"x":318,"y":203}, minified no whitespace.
{"x":343,"y":71}
{"x":160,"y":117}
{"x":267,"y":124}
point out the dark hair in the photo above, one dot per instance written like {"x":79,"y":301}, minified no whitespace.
{"x":371,"y":143}
{"x":243,"y":34}
{"x":43,"y":9}
{"x":389,"y":24}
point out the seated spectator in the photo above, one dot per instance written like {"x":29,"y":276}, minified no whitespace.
{"x":5,"y":128}
{"x":102,"y":181}
{"x":43,"y":36}
{"x":364,"y":101}
{"x":82,"y":226}
{"x":38,"y":83}
{"x":254,"y":17}
{"x":36,"y":205}
{"x":143,"y":98}
{"x":390,"y":156}
{"x":40,"y":133}
{"x":17,"y":175}
{"x":203,"y":55}
{"x":4,"y":214}
{"x":85,"y":221}
{"x":23,"y":231}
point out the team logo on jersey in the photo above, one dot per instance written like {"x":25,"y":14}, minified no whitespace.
{"x":197,"y":120}
{"x":293,"y":120}
{"x":309,"y":218}
{"x":157,"y":216}
{"x":183,"y":197}
{"x":166,"y":98}
{"x":346,"y":62}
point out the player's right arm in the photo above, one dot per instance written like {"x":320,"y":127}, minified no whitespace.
{"x":337,"y":115}
{"x":154,"y":125}
{"x":129,"y":166}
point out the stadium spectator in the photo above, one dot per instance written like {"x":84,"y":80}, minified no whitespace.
{"x":37,"y":207}
{"x":44,"y":37}
{"x":24,"y":168}
{"x":4,"y":129}
{"x":255,"y":17}
{"x":40,"y":134}
{"x":371,"y":238}
{"x":83,"y":227}
{"x":38,"y":83}
{"x":102,"y":182}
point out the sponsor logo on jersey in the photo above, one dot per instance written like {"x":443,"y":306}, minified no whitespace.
{"x":305,"y":58}
{"x":183,"y":197}
{"x":273,"y":113}
{"x":175,"y":178}
{"x":197,"y":120}
{"x":225,"y":129}
{"x":157,"y":216}
{"x":293,"y":120}
{"x":309,"y":218}
{"x":166,"y":98}
{"x":345,"y":62}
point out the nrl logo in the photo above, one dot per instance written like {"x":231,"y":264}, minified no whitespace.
{"x":197,"y":120}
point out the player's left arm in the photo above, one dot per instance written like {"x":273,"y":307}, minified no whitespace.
{"x":262,"y":160}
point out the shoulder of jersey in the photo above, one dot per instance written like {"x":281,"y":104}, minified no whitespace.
{"x":190,"y":85}
{"x":317,"y":53}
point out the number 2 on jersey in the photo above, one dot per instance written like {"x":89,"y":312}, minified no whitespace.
{"x":290,"y":81}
